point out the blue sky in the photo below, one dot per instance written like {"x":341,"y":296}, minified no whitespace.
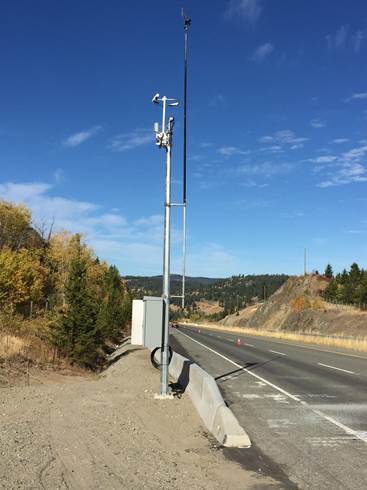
{"x":277,"y":128}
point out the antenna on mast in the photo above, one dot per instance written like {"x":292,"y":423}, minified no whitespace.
{"x":187,"y":23}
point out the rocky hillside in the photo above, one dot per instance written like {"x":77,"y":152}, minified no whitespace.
{"x":240,"y":318}
{"x":299,"y":306}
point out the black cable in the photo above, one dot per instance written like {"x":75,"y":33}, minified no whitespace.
{"x":187,"y":23}
{"x":156,"y":364}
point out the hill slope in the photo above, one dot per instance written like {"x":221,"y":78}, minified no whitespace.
{"x":298,"y":306}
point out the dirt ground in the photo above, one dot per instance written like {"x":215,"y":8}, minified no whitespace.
{"x":108,"y":432}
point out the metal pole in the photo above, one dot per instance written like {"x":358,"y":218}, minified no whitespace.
{"x":305,"y":262}
{"x":166,"y":270}
{"x":187,"y":23}
{"x":164,"y":140}
{"x":183,"y":256}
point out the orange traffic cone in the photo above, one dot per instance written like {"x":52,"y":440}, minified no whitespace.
{"x":238,"y":343}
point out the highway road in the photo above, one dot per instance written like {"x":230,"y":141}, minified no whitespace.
{"x":303,"y":406}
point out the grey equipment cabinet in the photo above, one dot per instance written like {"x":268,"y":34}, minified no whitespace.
{"x":153,"y":318}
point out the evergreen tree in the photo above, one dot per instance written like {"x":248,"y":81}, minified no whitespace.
{"x":328,"y":271}
{"x":349,"y":287}
{"x":112,"y":316}
{"x":78,"y":335}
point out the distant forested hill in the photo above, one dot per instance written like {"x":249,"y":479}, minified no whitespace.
{"x":152,"y":285}
{"x":231,"y":293}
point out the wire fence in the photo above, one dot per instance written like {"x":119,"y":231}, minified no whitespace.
{"x":346,"y":306}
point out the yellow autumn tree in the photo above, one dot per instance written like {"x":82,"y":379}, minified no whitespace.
{"x":22,"y":277}
{"x":16,"y":231}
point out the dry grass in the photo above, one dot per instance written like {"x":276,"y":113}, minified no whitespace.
{"x":357,"y":344}
{"x":11,"y":346}
{"x":28,"y":339}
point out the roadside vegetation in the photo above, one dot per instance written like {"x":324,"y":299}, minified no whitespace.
{"x":347,"y":287}
{"x":58,"y":301}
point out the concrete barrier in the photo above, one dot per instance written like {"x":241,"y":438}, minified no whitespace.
{"x":208,"y":401}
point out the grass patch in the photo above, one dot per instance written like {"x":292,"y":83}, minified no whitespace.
{"x":12,"y":346}
{"x":25,"y":338}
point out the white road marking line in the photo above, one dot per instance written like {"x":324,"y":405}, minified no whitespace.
{"x":280,"y":423}
{"x":249,"y":345}
{"x":359,"y":435}
{"x":333,"y":367}
{"x":276,"y":352}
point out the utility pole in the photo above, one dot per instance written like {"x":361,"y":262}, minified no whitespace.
{"x":305,"y":262}
{"x":187,"y":23}
{"x":164,"y":140}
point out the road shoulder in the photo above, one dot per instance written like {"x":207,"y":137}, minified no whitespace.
{"x":112,"y":433}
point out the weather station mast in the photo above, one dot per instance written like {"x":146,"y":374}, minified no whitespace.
{"x":187,"y":23}
{"x":164,"y":139}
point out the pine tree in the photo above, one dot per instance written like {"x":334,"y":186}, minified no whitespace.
{"x":111,"y":317}
{"x":328,"y":271}
{"x":78,"y":335}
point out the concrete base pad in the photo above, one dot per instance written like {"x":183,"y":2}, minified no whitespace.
{"x":158,"y":396}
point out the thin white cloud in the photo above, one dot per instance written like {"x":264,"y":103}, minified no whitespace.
{"x":23,"y":192}
{"x":283,"y":137}
{"x":77,"y":138}
{"x":339,"y":39}
{"x":317,"y":123}
{"x":257,"y":204}
{"x":59,"y":175}
{"x":266,"y":169}
{"x":323,"y":159}
{"x":263,"y":51}
{"x":228,"y":151}
{"x":348,"y":168}
{"x":249,"y":10}
{"x":358,"y":40}
{"x":339,"y":141}
{"x":131,"y":140}
{"x":196,"y":158}
{"x":217,"y":100}
{"x":346,"y":174}
{"x":345,"y":40}
{"x":272,"y":149}
{"x":356,"y":231}
{"x":357,"y":96}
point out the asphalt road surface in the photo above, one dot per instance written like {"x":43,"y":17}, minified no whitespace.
{"x":303,"y":406}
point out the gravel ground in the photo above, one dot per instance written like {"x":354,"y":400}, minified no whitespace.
{"x":110,"y":433}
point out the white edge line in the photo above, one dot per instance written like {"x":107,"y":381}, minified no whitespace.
{"x":276,"y":352}
{"x":249,"y":345}
{"x":333,"y":367}
{"x":345,"y":428}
